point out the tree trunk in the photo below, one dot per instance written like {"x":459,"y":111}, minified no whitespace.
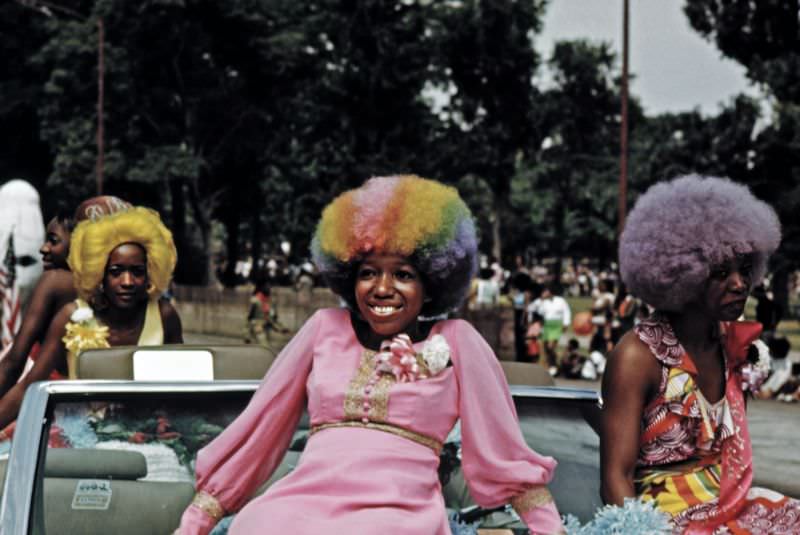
{"x":202,"y":208}
{"x":178,"y":225}
{"x":231,"y":249}
{"x":255,"y":239}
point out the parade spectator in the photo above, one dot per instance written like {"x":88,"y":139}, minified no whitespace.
{"x":557,"y":318}
{"x":520,"y":283}
{"x":262,"y":316}
{"x":768,"y":312}
{"x":533,"y":346}
{"x":674,"y":427}
{"x":382,"y":388}
{"x":603,"y":304}
{"x":120,"y":263}
{"x":571,"y":365}
{"x":487,"y":291}
{"x":782,"y":382}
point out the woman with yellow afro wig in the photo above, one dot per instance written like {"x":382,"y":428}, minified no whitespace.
{"x":121,"y":263}
{"x":93,"y":241}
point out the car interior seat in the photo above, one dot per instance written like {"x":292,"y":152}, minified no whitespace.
{"x":526,"y":373}
{"x":100,"y":491}
{"x":231,"y":361}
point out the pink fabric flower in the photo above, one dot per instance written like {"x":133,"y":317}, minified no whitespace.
{"x":397,"y":356}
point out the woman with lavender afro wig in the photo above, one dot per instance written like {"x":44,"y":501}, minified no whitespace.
{"x":674,"y":429}
{"x":382,"y":387}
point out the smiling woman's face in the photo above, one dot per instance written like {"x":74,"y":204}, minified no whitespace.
{"x":56,"y":246}
{"x":389,"y":294}
{"x":125,"y":281}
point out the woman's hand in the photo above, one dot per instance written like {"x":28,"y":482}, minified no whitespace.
{"x":631,"y":379}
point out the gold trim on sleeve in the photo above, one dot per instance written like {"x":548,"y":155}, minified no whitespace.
{"x":531,"y":499}
{"x":209,"y":505}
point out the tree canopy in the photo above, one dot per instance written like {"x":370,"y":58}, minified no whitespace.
{"x":241,"y":119}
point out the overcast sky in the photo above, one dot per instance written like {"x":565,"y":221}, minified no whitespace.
{"x":674,"y":68}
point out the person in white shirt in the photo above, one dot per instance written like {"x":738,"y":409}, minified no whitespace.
{"x":557,"y":317}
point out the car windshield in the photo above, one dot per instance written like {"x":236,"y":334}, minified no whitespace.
{"x":122,"y":462}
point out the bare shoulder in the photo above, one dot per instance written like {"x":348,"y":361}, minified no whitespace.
{"x":632,"y":363}
{"x":56,"y":284}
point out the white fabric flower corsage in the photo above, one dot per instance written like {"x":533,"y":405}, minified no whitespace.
{"x":755,"y":373}
{"x":436,"y":354}
{"x":82,"y":315}
{"x":397,"y":356}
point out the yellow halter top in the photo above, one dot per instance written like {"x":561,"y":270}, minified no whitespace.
{"x":92,"y":334}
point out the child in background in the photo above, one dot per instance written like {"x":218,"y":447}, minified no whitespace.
{"x":572,"y":363}
{"x":532,"y":334}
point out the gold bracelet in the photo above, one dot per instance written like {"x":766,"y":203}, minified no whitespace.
{"x":209,"y":505}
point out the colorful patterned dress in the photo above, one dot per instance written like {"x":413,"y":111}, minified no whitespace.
{"x":695,"y":457}
{"x":370,"y":464}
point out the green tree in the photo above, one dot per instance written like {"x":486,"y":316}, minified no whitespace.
{"x":568,"y":188}
{"x":486,"y":66}
{"x":765,"y":38}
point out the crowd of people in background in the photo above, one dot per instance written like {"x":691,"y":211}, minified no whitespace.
{"x":574,"y":345}
{"x":570,"y":344}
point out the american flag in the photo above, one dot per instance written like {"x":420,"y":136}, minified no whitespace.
{"x":10,"y":314}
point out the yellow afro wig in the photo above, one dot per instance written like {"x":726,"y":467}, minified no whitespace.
{"x":93,"y":241}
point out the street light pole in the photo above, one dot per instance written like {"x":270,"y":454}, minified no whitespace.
{"x":100,"y":97}
{"x":623,"y":135}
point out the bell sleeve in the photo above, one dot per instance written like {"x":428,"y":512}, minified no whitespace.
{"x":498,"y":465}
{"x":244,"y":455}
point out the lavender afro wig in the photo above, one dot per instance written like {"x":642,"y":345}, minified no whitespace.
{"x":421,"y":219}
{"x":679,"y":229}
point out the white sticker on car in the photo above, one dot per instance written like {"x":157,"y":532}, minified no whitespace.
{"x":92,"y":494}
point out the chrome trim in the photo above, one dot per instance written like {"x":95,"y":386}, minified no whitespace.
{"x":554,"y":392}
{"x":125,"y":387}
{"x":15,"y":509}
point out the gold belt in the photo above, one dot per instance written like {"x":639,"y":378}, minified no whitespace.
{"x":419,"y":438}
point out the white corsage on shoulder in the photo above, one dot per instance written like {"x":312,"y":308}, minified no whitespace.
{"x":436,"y":354}
{"x":755,"y":373}
{"x":81,"y":315}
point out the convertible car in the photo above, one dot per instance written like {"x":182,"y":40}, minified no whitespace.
{"x":114,"y":452}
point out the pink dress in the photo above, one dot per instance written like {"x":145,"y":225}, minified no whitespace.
{"x":376,"y":477}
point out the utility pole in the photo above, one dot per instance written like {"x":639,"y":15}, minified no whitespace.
{"x":100,"y":96}
{"x":623,"y":134}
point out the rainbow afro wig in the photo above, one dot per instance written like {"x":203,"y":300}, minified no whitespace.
{"x":679,"y":230}
{"x":93,"y":241}
{"x":421,"y":219}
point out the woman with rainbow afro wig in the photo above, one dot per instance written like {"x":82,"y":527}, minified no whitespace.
{"x":406,"y":215}
{"x":674,"y":429}
{"x":382,"y":388}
